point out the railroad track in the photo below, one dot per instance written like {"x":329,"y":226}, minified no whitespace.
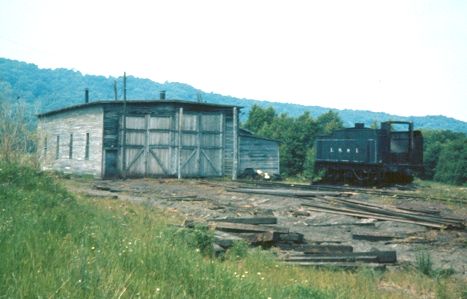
{"x":372,"y":191}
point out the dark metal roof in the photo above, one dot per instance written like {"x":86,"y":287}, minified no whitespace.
{"x":248,"y":133}
{"x":133,"y":102}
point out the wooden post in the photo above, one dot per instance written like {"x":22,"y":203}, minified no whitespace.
{"x":146,"y":144}
{"x":124,"y":168}
{"x":198,"y":144}
{"x":222,"y":142}
{"x":179,"y":154}
{"x":235,"y":144}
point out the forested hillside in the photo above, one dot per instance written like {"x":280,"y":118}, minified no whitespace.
{"x":46,"y":89}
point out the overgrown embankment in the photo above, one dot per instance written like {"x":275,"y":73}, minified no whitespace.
{"x":54,"y":244}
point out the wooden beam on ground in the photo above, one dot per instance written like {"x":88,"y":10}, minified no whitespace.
{"x":263,"y":239}
{"x":370,"y":256}
{"x":372,"y":213}
{"x":225,"y":240}
{"x":245,"y":228}
{"x":343,"y":224}
{"x":339,"y":265}
{"x":247,"y":220}
{"x":372,"y":237}
{"x":286,"y":192}
{"x":272,"y":238}
{"x":406,"y":215}
{"x":331,"y":258}
{"x":326,"y":249}
{"x":184,"y":198}
{"x":107,"y":188}
{"x":291,"y":237}
{"x":372,"y":216}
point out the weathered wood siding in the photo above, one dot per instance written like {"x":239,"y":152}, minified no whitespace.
{"x":228,"y":143}
{"x":259,"y":153}
{"x":79,"y":123}
{"x":154,"y":147}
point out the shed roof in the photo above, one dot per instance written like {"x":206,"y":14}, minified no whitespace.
{"x":133,"y":102}
{"x":248,"y":133}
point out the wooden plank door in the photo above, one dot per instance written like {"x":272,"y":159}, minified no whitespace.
{"x":135,"y":146}
{"x":149,"y":147}
{"x":211,"y":144}
{"x":161,"y":146}
{"x":189,"y":151}
{"x":111,"y":158}
{"x":201,"y":144}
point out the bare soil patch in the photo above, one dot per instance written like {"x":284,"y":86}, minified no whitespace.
{"x":202,"y":200}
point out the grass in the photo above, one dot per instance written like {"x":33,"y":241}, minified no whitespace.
{"x":450,"y":193}
{"x":54,"y":244}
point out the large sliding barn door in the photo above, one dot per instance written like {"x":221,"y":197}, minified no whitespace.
{"x":189,"y":144}
{"x":149,"y":146}
{"x":201,"y":144}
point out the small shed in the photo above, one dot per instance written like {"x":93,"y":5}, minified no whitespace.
{"x":258,"y":153}
{"x":144,"y":138}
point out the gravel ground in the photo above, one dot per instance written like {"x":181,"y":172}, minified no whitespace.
{"x":203,"y":199}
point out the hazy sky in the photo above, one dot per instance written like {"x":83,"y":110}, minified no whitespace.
{"x":402,"y":57}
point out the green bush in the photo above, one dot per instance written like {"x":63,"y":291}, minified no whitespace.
{"x":239,"y":250}
{"x":423,"y":263}
{"x":445,"y":156}
{"x":200,"y":239}
{"x":452,"y":164}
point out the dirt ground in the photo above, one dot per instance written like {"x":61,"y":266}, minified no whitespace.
{"x":206,"y":199}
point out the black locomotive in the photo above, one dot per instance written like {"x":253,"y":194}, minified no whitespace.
{"x":393,"y":153}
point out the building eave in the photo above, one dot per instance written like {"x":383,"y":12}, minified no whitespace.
{"x":134,"y":102}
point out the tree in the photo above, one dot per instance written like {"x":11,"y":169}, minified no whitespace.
{"x":452,"y":164}
{"x":328,"y":122}
{"x":434,"y":143}
{"x":297,"y":135}
{"x":259,"y":117}
{"x":16,"y":137}
{"x":309,"y":165}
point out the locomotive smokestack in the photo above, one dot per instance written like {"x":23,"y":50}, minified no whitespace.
{"x":162,"y":95}
{"x":86,"y":95}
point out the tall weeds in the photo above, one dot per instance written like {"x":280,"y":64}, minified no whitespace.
{"x":55,"y":245}
{"x":17,"y":138}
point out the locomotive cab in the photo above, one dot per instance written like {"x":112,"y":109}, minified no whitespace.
{"x":404,"y":148}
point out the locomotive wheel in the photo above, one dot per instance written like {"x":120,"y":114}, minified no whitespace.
{"x":361,"y":175}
